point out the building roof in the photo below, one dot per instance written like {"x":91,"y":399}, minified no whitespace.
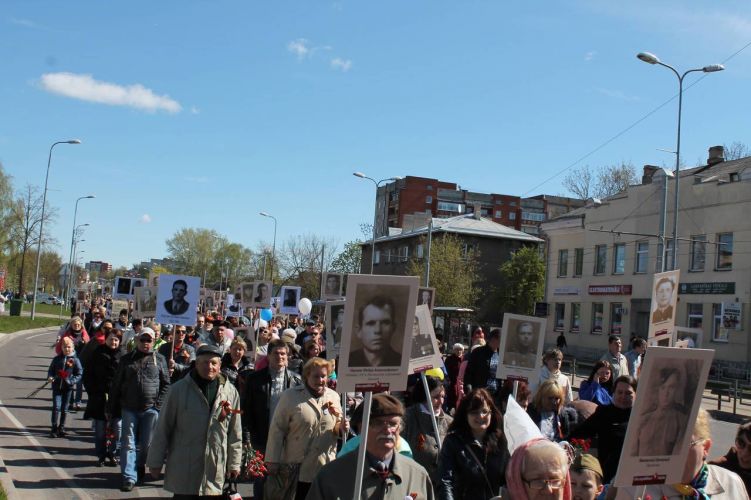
{"x":468,"y":225}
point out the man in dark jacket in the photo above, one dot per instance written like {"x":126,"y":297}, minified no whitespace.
{"x":479,"y":370}
{"x":137,"y":393}
{"x":263,"y":389}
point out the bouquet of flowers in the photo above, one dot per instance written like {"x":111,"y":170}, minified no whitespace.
{"x":577,"y":447}
{"x":253,"y":464}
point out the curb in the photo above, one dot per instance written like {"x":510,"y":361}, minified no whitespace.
{"x":7,"y":482}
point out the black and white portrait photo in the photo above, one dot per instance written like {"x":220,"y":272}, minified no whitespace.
{"x":290,"y":297}
{"x":177,"y":298}
{"x":332,"y":286}
{"x":424,"y":353}
{"x":664,"y":299}
{"x":378,"y":325}
{"x":145,"y":302}
{"x":246,"y":294}
{"x":136,"y":282}
{"x":334,"y":327}
{"x":122,"y":288}
{"x":522,"y":339}
{"x":261,"y":294}
{"x":425,"y":296}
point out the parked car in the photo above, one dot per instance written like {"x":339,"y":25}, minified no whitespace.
{"x":47,"y":298}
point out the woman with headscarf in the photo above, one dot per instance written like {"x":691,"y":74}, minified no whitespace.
{"x":539,"y":469}
{"x":473,"y":455}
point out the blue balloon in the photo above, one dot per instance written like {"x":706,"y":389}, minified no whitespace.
{"x":267,"y":314}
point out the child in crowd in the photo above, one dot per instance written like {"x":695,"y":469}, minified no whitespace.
{"x":64,"y":373}
{"x":586,"y":478}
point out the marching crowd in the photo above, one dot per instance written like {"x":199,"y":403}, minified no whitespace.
{"x":200,"y":404}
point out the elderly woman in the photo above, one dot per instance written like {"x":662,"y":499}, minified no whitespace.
{"x":234,"y":362}
{"x":539,"y":469}
{"x":418,"y":425}
{"x":700,"y":480}
{"x":551,"y":370}
{"x":608,"y":424}
{"x":303,"y":433}
{"x":597,"y":387}
{"x":473,"y":456}
{"x":548,"y":412}
{"x":738,"y":458}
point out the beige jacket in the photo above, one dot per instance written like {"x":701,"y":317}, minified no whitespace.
{"x":199,"y":444}
{"x":722,"y":484}
{"x":302,"y":432}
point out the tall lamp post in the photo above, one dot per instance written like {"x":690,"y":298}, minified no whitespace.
{"x":375,"y":212}
{"x":273,"y":247}
{"x":41,"y":225}
{"x":650,"y":58}
{"x":66,"y":289}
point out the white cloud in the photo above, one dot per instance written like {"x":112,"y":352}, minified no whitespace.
{"x":616,"y":94}
{"x":341,"y":64}
{"x":145,"y":219}
{"x":86,"y":88}
{"x":590,"y":55}
{"x":299,"y":47}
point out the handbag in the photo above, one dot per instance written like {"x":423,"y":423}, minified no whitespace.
{"x":230,"y":491}
{"x":283,"y":484}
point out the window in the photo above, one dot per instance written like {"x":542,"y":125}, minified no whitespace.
{"x":578,"y":261}
{"x":429,"y":187}
{"x":419,"y":250}
{"x":669,"y":254}
{"x":468,"y":250}
{"x":562,"y":263}
{"x":698,"y":252}
{"x":642,"y":257}
{"x":616,"y":318}
{"x":377,"y":257}
{"x":445,"y":206}
{"x":725,"y":251}
{"x":601,"y":258}
{"x":576,"y":313}
{"x":428,"y":199}
{"x":619,"y":258}
{"x":403,"y":253}
{"x":512,"y":203}
{"x":719,"y":334}
{"x":498,"y":214}
{"x":560,"y":313}
{"x":695,"y":315}
{"x":533,"y":216}
{"x":597,"y":317}
{"x":512,"y":215}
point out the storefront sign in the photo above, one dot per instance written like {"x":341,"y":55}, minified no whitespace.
{"x":567,"y":290}
{"x":610,"y":289}
{"x":707,"y":288}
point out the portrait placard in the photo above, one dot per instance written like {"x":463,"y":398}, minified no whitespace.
{"x":377,"y":334}
{"x":262,"y":294}
{"x":177,"y":298}
{"x":122,"y":288}
{"x":424,"y":352}
{"x":234,"y":306}
{"x":145,"y":302}
{"x":81,"y":295}
{"x":334,"y":327}
{"x":290,"y":297}
{"x":246,"y":294}
{"x":426,"y":295}
{"x":134,"y":282}
{"x":331,"y":286}
{"x":116,"y":306}
{"x":153,"y":279}
{"x":664,"y":298}
{"x":522,"y":339}
{"x":659,"y":430}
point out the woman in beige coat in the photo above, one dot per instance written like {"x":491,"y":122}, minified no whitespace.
{"x":305,"y":427}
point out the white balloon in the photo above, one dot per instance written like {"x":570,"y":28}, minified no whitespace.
{"x":305,"y":306}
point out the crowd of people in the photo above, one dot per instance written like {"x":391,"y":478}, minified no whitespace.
{"x":196,"y":403}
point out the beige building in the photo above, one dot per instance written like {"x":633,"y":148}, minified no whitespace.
{"x":601,"y":260}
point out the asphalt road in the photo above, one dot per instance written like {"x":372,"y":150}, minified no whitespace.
{"x":43,"y":467}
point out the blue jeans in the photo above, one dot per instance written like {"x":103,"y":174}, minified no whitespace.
{"x":60,"y":401}
{"x":100,"y":438}
{"x":135,"y":425}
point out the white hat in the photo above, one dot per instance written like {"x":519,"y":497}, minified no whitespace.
{"x":289,"y":335}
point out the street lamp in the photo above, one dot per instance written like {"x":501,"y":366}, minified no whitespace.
{"x":273,"y":248}
{"x":66,"y":288}
{"x":375,"y":212}
{"x":41,"y":225}
{"x":650,"y":58}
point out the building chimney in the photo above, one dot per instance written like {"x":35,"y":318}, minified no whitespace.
{"x":716,"y":155}
{"x":478,"y":210}
{"x":649,"y":172}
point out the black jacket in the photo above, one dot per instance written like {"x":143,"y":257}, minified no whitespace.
{"x":234,"y":374}
{"x":478,"y":368}
{"x":141,"y":382}
{"x":608,"y":424}
{"x":255,"y":400}
{"x":461,"y":477}
{"x":97,"y":378}
{"x":566,"y":420}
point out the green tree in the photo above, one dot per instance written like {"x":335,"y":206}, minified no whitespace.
{"x":349,"y":259}
{"x":523,"y":283}
{"x":453,"y":271}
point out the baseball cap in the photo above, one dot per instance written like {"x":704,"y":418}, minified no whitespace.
{"x":147,"y":332}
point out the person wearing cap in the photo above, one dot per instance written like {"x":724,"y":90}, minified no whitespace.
{"x":199,"y":433}
{"x":137,"y":393}
{"x":304,"y":430}
{"x":261,"y":393}
{"x":310,"y":325}
{"x":179,"y":354}
{"x":586,"y":477}
{"x":218,"y":336}
{"x":386,"y":474}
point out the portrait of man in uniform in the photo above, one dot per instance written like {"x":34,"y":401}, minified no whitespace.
{"x":663,"y":310}
{"x":375,"y":327}
{"x":521,"y":345}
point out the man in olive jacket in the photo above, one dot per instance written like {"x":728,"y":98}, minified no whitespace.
{"x":197,"y":462}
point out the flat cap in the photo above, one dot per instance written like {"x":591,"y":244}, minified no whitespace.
{"x":386,"y":405}
{"x":209,"y":349}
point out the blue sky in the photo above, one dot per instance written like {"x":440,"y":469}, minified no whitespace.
{"x":202,"y":114}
